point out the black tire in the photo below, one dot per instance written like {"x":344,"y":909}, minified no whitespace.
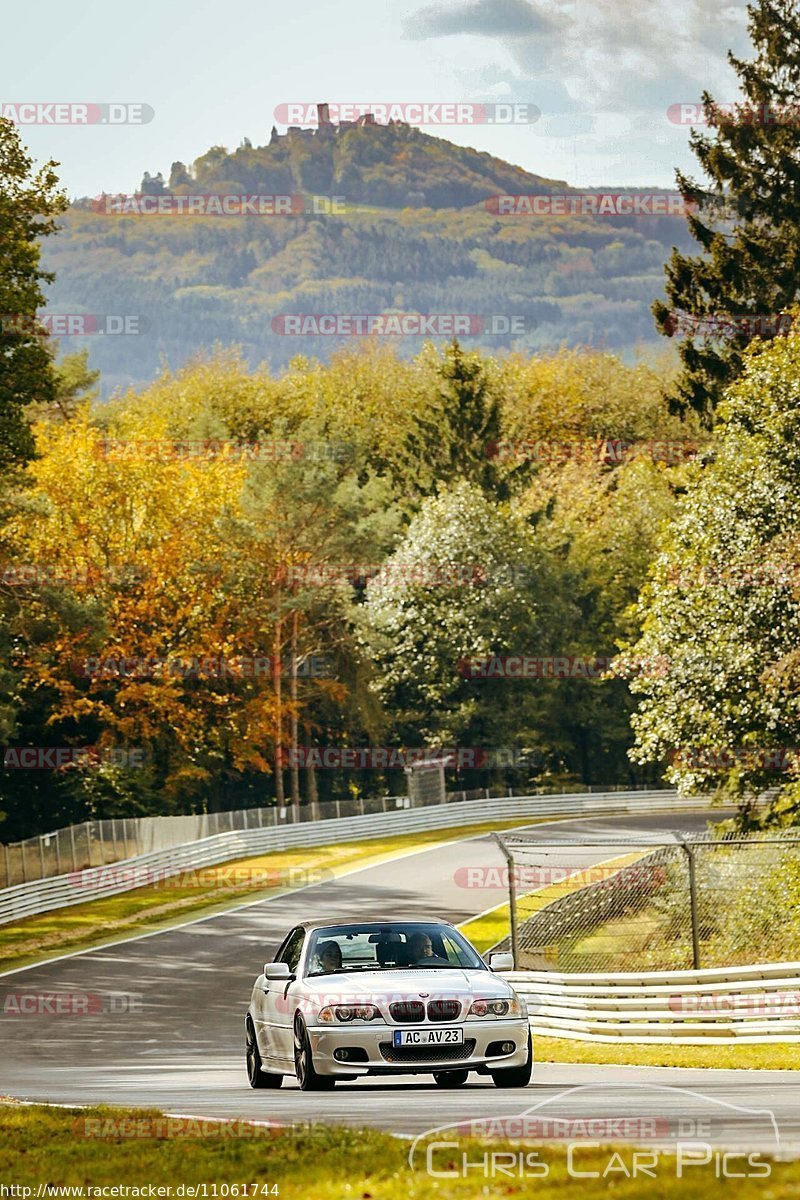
{"x":256,"y":1075}
{"x":307,"y":1077}
{"x":515,"y":1077}
{"x":451,"y":1079}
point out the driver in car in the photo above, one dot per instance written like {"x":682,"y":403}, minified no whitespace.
{"x":328,"y":958}
{"x":420,"y":946}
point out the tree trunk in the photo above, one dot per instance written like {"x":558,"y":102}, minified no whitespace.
{"x":294,"y":770}
{"x":276,"y":667}
{"x":313,"y":794}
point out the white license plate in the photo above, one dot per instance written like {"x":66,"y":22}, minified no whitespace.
{"x":429,"y":1037}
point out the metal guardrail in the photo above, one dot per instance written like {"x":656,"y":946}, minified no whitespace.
{"x":42,"y":895}
{"x":716,"y":1006}
{"x":98,"y":843}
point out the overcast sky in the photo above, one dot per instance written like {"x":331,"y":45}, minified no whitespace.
{"x":602,"y":72}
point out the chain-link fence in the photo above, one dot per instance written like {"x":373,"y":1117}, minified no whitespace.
{"x":714,"y":899}
{"x":99,"y":843}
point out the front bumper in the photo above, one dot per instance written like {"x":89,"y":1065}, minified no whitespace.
{"x":370,"y":1051}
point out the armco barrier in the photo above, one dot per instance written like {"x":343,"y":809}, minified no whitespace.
{"x":42,"y":895}
{"x":98,"y":843}
{"x":715,"y":1006}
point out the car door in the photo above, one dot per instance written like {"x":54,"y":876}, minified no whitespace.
{"x":277,"y":1005}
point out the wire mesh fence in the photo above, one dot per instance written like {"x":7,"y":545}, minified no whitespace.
{"x":714,"y":899}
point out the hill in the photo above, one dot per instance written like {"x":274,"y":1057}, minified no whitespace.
{"x":417,"y":233}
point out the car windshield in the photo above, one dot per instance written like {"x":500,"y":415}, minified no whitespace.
{"x":390,"y":947}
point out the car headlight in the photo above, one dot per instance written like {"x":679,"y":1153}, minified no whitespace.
{"x":495,"y":1008}
{"x":332,"y":1014}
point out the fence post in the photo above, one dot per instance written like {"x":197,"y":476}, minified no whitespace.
{"x":8,"y":866}
{"x":72,"y":843}
{"x":512,"y":897}
{"x":692,"y":901}
{"x":41,"y":855}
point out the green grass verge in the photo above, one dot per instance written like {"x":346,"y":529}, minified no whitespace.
{"x":784,"y":1057}
{"x":49,"y":1146}
{"x":616,"y":942}
{"x":170,"y":901}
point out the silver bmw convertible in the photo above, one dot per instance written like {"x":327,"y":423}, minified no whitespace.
{"x":351,"y":998}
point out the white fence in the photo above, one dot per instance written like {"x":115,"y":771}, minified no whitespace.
{"x":42,"y":895}
{"x":714,"y":1006}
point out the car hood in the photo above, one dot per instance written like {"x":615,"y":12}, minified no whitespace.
{"x":406,"y":985}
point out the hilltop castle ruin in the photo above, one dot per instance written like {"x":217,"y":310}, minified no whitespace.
{"x":325,"y":126}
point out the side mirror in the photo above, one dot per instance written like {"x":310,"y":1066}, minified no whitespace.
{"x":501,"y":962}
{"x":277,"y":970}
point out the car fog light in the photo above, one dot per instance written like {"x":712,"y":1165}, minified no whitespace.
{"x":507,"y":1047}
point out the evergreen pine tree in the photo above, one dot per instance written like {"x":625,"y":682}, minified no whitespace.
{"x":748,"y":222}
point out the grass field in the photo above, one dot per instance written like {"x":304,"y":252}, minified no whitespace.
{"x":50,"y":1147}
{"x":773,"y":1057}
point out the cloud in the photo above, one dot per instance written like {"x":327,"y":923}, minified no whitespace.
{"x":603,"y":54}
{"x":486,"y":18}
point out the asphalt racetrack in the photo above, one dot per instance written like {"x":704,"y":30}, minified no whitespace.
{"x":181,"y":1049}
